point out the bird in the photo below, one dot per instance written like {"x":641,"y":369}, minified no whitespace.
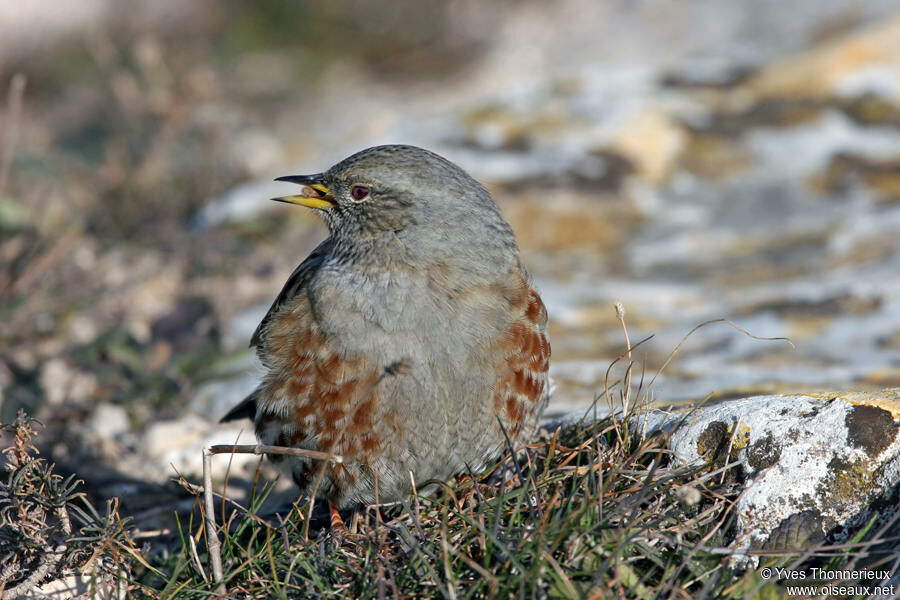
{"x":411,"y":341}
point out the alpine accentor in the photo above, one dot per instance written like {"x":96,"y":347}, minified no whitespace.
{"x":420,"y":270}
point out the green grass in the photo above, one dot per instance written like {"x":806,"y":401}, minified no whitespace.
{"x":594,"y":514}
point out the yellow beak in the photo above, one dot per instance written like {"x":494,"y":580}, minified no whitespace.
{"x":315,"y":194}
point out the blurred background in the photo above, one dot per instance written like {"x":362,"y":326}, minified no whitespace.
{"x":693,"y":160}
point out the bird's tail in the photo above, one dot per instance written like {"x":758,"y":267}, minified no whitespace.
{"x":245,"y":410}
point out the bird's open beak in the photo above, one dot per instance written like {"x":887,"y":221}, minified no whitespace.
{"x":315,"y":193}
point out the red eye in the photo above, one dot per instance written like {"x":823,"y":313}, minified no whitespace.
{"x":359,"y":192}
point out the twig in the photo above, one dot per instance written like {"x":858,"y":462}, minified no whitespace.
{"x":415,"y":519}
{"x":475,"y":483}
{"x":734,"y":433}
{"x":225,"y":482}
{"x":10,"y":571}
{"x":377,"y":515}
{"x":599,"y":482}
{"x":320,"y":473}
{"x":264,"y":449}
{"x":212,"y":536}
{"x":138,"y":534}
{"x":199,"y":489}
{"x":284,"y":532}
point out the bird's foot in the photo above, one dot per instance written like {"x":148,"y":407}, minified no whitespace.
{"x":339,"y":530}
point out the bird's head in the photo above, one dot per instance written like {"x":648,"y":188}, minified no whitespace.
{"x":406,"y":194}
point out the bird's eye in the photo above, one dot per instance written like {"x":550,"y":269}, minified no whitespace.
{"x":359,"y":192}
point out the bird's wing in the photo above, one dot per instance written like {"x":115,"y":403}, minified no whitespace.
{"x":246,"y":409}
{"x":521,"y":390}
{"x":295,"y":284}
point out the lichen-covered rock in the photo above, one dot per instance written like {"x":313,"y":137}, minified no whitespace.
{"x":811,"y":465}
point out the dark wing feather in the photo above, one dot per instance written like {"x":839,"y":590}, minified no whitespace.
{"x":294,"y":285}
{"x":246,"y":409}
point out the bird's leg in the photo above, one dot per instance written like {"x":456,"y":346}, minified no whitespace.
{"x":462,"y":479}
{"x":467,"y":483}
{"x":337,"y":523}
{"x":339,"y":532}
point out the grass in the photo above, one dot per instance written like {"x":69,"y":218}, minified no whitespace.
{"x":579,"y":515}
{"x":594,"y":509}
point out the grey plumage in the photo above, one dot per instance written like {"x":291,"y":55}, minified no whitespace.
{"x":425,"y":271}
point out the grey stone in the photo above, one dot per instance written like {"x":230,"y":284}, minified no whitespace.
{"x":800,"y":456}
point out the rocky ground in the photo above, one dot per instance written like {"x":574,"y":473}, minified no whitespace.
{"x":693,"y":163}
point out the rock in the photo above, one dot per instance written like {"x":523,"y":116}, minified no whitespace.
{"x":688,"y":495}
{"x":164,"y":437}
{"x":865,"y":61}
{"x":215,"y":398}
{"x":652,"y":140}
{"x":109,"y":421}
{"x":812,"y":465}
{"x":83,"y":329}
{"x":61,"y":382}
{"x":151,"y":298}
{"x":179,"y":444}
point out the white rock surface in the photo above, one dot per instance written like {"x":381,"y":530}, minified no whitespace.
{"x":109,"y":420}
{"x":833,"y":455}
